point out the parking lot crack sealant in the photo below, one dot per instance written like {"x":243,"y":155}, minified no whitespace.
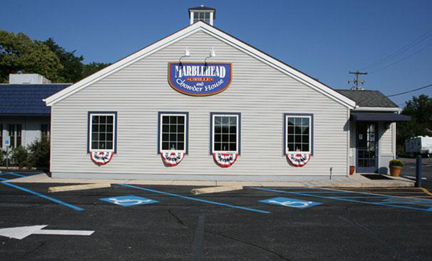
{"x":282,"y":257}
{"x":177,"y":218}
{"x":400,"y":253}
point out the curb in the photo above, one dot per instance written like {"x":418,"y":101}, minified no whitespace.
{"x":78,"y":187}
{"x":199,"y":191}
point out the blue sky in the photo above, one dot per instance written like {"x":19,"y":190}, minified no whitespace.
{"x":324,"y":39}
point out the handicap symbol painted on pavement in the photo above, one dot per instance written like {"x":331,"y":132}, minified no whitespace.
{"x":291,"y":202}
{"x":127,"y":201}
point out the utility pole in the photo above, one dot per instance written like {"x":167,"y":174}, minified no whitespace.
{"x":357,"y":81}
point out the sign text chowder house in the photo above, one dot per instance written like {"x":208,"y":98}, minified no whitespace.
{"x":222,"y":110}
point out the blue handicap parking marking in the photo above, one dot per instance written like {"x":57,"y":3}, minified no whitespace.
{"x":291,"y":202}
{"x":130,"y":200}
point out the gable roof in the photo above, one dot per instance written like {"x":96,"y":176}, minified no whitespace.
{"x":368,"y":98}
{"x":26,"y":99}
{"x":222,"y":36}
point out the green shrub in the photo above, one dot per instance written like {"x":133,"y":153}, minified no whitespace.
{"x":40,"y":153}
{"x":397,"y":163}
{"x":20,"y":156}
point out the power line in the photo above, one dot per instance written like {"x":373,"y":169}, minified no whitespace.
{"x":400,"y":51}
{"x":424,"y":87}
{"x":401,"y":60}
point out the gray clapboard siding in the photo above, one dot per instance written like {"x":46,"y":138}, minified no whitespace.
{"x":386,"y":139}
{"x":260,"y":93}
{"x":387,"y":148}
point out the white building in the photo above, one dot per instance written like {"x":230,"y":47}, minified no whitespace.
{"x":24,"y":117}
{"x":201,"y":104}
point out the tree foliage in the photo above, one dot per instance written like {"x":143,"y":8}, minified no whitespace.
{"x":420,"y":110}
{"x":18,"y":53}
{"x":93,"y":67}
{"x":72,"y":70}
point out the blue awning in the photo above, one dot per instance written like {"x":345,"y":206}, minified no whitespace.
{"x":382,"y":117}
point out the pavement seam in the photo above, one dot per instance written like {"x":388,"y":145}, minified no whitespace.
{"x":389,"y":246}
{"x":250,"y":244}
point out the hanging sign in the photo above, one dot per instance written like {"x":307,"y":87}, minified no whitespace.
{"x":7,"y":141}
{"x":101,"y":157}
{"x":199,"y":79}
{"x":225,"y":159}
{"x":298,"y":159}
{"x":172,"y":158}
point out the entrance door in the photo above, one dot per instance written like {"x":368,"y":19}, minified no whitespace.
{"x":367,"y":149}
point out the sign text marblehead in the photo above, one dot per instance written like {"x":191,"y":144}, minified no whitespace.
{"x":199,"y":79}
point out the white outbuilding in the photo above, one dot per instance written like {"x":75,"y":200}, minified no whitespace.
{"x":201,"y":104}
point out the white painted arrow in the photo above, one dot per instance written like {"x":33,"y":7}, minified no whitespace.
{"x":23,"y":232}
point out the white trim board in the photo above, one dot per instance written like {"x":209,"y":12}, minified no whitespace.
{"x":232,"y":41}
{"x":385,"y":109}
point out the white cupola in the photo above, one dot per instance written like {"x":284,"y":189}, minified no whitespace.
{"x":202,"y":13}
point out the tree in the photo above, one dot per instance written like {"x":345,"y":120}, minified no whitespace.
{"x":420,"y":110}
{"x":93,"y":67}
{"x":18,"y":53}
{"x":72,"y":70}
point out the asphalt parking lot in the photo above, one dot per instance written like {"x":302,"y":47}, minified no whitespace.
{"x":136,"y":222}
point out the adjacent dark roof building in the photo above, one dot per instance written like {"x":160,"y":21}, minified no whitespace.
{"x":368,"y":98}
{"x":26,"y":99}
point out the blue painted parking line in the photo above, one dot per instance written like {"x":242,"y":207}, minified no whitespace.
{"x":336,"y":197}
{"x":40,"y":195}
{"x":197,"y":199}
{"x":344,"y":199}
{"x":406,"y":202}
{"x":14,"y":174}
{"x":128,"y":201}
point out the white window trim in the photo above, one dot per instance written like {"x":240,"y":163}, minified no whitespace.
{"x":91,"y":131}
{"x":286,"y":133}
{"x":185,"y":128}
{"x":213,"y":132}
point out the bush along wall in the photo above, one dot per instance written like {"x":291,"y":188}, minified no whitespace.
{"x":36,"y":155}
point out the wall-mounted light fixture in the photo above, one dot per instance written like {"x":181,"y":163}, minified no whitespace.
{"x":212,"y":54}
{"x":186,"y":54}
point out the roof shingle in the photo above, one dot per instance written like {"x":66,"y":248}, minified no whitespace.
{"x":368,"y":98}
{"x":26,"y":99}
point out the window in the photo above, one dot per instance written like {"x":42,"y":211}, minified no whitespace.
{"x":15,"y":133}
{"x":225,"y":132}
{"x":173,"y":131}
{"x":45,"y":131}
{"x":298,"y":133}
{"x":102,"y":131}
{"x":202,"y":16}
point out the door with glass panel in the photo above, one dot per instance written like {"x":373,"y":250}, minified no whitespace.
{"x":367,"y":147}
